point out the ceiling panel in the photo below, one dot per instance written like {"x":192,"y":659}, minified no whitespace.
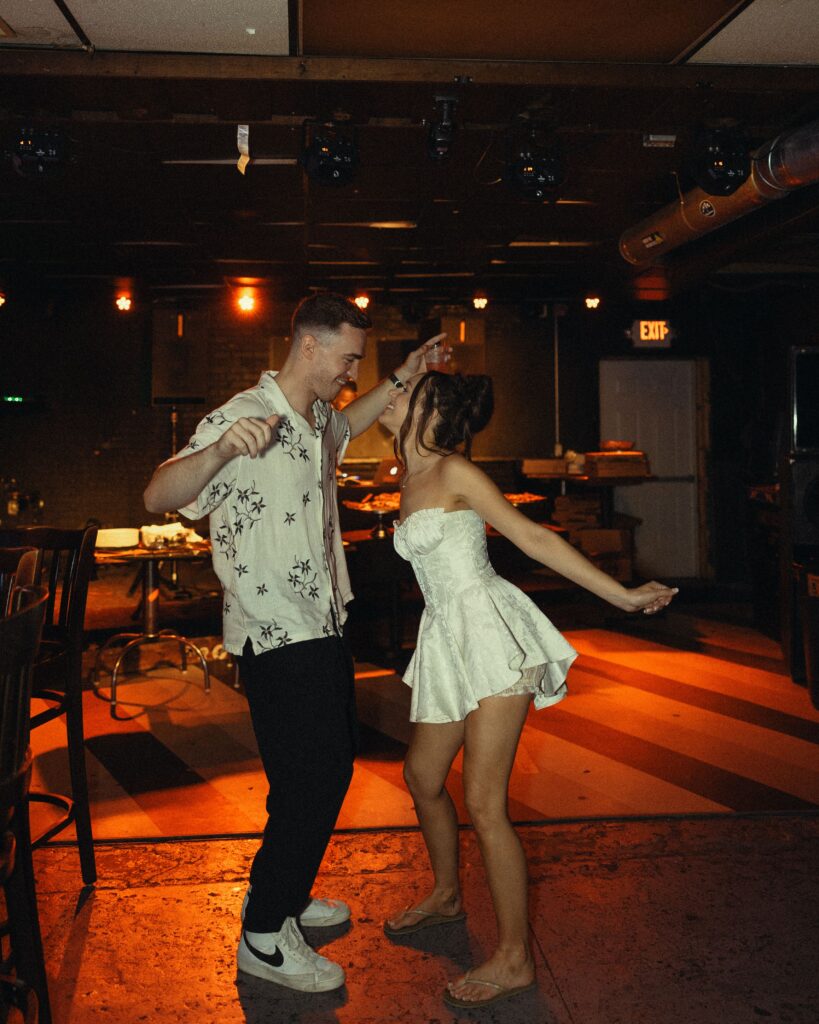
{"x":583,"y":30}
{"x":169,"y":26}
{"x":34,"y":23}
{"x":767,"y":32}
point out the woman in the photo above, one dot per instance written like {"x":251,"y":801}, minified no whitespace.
{"x":484,"y":652}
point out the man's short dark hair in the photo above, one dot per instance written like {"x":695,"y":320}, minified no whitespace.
{"x":329,"y":311}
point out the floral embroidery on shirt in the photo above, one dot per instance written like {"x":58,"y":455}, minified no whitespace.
{"x":216,"y":419}
{"x":302,"y":578}
{"x":269,"y":638}
{"x":217,"y":492}
{"x":289,"y":517}
{"x":305,"y":498}
{"x":290,"y":441}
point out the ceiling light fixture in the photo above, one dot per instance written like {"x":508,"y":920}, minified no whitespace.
{"x":534,"y":166}
{"x":480,"y":301}
{"x":124,"y":302}
{"x":329,"y":153}
{"x":441,"y":130}
{"x":720,"y":162}
{"x":362,"y":301}
{"x":592,"y":301}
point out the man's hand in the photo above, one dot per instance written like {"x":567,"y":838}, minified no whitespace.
{"x":249,"y":435}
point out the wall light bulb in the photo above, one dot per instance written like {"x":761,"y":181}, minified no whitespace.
{"x":246,"y":302}
{"x":592,"y":301}
{"x":124,"y":302}
{"x":480,"y":302}
{"x":362,"y":301}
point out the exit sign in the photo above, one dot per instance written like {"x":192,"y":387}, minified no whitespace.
{"x":651,"y":334}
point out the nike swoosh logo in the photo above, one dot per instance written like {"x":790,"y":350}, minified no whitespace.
{"x":273,"y":959}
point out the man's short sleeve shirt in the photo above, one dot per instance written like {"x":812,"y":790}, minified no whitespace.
{"x":277,"y":547}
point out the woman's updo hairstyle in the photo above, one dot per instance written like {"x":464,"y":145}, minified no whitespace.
{"x":464,"y":406}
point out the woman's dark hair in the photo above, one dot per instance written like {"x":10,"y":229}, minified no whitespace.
{"x":464,"y":406}
{"x":329,"y":311}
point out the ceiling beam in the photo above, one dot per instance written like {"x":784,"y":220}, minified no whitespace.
{"x":70,"y":63}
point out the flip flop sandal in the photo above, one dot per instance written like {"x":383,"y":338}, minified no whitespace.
{"x":499,"y":993}
{"x":427,"y":920}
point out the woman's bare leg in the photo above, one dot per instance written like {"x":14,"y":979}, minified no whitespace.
{"x":490,"y":742}
{"x":431,"y":752}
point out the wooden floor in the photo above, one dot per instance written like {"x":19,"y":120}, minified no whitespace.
{"x":678,"y":715}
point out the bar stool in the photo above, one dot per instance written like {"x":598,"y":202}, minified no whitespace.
{"x":66,"y":566}
{"x":20,"y":633}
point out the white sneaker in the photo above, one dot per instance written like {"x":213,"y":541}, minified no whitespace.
{"x":317,"y":914}
{"x":287,"y":960}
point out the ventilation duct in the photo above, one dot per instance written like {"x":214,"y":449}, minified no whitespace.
{"x":789,"y":162}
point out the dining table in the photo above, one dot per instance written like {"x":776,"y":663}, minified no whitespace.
{"x":148,"y":559}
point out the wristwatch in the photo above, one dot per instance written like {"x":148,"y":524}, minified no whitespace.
{"x":398,"y":382}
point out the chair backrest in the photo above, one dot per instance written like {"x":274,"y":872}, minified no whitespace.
{"x":19,"y":643}
{"x":65,"y":568}
{"x":19,"y":567}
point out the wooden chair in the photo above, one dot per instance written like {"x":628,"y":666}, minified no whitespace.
{"x":19,"y":567}
{"x":20,"y":634}
{"x":65,"y":568}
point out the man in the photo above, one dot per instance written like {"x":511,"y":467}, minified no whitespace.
{"x":263,"y":467}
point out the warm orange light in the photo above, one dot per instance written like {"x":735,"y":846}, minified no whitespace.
{"x":246,"y":302}
{"x":2,"y":299}
{"x":592,"y":301}
{"x":480,"y":302}
{"x":362,"y":301}
{"x":124,"y":302}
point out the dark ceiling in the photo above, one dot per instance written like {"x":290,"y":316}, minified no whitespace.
{"x":122,"y":205}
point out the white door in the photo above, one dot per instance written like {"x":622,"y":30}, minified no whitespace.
{"x":654,"y":403}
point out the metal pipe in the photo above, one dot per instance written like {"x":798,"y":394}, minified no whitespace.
{"x":788,"y":162}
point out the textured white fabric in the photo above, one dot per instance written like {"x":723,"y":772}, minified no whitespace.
{"x":478,"y":632}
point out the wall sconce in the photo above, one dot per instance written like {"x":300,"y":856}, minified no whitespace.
{"x":480,"y":301}
{"x":246,"y":301}
{"x":123,"y":302}
{"x":592,"y":302}
{"x":362,"y":301}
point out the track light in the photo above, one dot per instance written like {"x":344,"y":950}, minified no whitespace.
{"x":720,"y":161}
{"x":441,"y":132}
{"x":534,"y":167}
{"x":329,"y":154}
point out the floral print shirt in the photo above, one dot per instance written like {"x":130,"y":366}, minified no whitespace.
{"x":277,"y":547}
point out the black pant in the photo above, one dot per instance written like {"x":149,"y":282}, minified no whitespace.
{"x":302,"y":705}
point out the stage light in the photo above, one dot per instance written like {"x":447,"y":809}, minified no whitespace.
{"x":123,"y":302}
{"x":592,"y":302}
{"x":534,"y":167}
{"x":720,"y":162}
{"x":362,"y":301}
{"x":37,"y":152}
{"x":480,"y":302}
{"x":329,"y":153}
{"x":441,"y":131}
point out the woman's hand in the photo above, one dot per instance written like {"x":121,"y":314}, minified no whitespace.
{"x":416,"y":362}
{"x":649,"y":598}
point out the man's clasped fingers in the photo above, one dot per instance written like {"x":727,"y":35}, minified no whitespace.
{"x":250,"y":435}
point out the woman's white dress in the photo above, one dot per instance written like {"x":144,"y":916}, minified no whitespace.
{"x":479,"y":634}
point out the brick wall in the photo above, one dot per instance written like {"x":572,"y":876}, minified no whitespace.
{"x":91,"y":444}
